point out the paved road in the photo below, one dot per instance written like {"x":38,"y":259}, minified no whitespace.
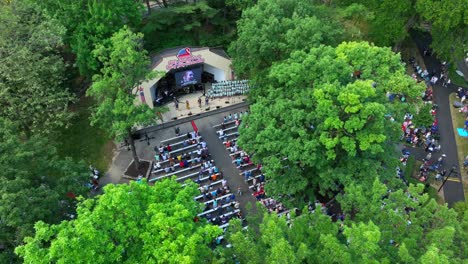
{"x":222,"y":159}
{"x":453,"y":189}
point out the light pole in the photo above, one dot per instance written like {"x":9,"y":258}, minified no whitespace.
{"x":445,"y":180}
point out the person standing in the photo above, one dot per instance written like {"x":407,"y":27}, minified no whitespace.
{"x":207,"y":100}
{"x":176,"y":104}
{"x":187,"y":104}
{"x":199,"y":102}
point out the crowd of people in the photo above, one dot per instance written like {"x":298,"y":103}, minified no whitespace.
{"x":229,"y":88}
{"x":244,"y":163}
{"x":94,"y":176}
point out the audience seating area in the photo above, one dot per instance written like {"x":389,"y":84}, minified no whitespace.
{"x":229,"y":88}
{"x":227,"y":131}
{"x":187,"y":157}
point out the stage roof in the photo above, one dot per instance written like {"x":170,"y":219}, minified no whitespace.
{"x":158,"y":57}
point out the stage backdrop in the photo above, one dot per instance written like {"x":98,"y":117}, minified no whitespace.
{"x":188,"y":77}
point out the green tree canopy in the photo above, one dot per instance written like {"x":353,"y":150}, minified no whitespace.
{"x":388,"y":22}
{"x":31,"y":69}
{"x":381,"y":226}
{"x":91,"y":23}
{"x":270,"y":30}
{"x":328,"y":122}
{"x":129,"y":223}
{"x":410,"y":222}
{"x":204,"y":23}
{"x":35,"y":184}
{"x":449,"y":26}
{"x":125,"y":65}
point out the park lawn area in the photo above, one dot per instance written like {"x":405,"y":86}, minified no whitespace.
{"x":412,"y":167}
{"x":407,"y":50}
{"x":458,"y":120}
{"x":81,"y":141}
{"x":455,"y":78}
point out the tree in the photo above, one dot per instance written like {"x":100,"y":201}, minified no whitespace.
{"x":210,"y":23}
{"x":32,"y":92}
{"x":380,"y":226}
{"x":240,"y":4}
{"x":410,"y":222}
{"x":277,"y":241}
{"x":35,"y":184}
{"x":329,"y":125}
{"x":125,"y":65}
{"x":389,"y":21}
{"x":449,"y":26}
{"x":134,"y":223}
{"x":90,"y":23}
{"x":271,"y":30}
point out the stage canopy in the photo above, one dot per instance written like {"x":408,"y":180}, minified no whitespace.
{"x":212,"y":60}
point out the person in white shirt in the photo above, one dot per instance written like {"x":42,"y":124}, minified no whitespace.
{"x":157,"y":165}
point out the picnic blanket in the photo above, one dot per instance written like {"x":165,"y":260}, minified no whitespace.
{"x":462,"y":132}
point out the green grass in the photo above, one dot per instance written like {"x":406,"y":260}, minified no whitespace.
{"x":410,"y":167}
{"x":81,"y":141}
{"x":410,"y":172}
{"x":458,"y":120}
{"x":455,"y":78}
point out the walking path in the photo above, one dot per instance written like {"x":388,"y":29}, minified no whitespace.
{"x":222,"y":159}
{"x":453,"y":189}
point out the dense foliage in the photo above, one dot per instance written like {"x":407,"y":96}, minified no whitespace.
{"x":90,"y":23}
{"x":125,"y":65}
{"x":204,"y":23}
{"x":134,"y":223}
{"x":319,"y":124}
{"x":35,"y":185}
{"x":271,"y":30}
{"x":32,"y":70}
{"x":381,"y":226}
{"x":329,"y":122}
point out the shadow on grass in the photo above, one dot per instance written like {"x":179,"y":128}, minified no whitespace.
{"x":81,"y":141}
{"x":458,"y":121}
{"x":411,"y":174}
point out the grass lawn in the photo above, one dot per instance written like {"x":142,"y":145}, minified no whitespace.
{"x":409,"y":49}
{"x":81,"y":141}
{"x":455,"y":78}
{"x":458,"y":120}
{"x":411,"y":174}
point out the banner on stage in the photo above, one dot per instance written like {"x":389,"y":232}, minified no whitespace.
{"x":184,"y":59}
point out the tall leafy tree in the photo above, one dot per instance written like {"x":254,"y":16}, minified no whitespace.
{"x":125,"y":65}
{"x":449,"y":26}
{"x":389,"y":21}
{"x":91,"y":23}
{"x":324,"y":111}
{"x":270,"y":30}
{"x":32,"y":92}
{"x":381,"y":226}
{"x":35,"y":185}
{"x":134,"y":223}
{"x":411,"y":224}
{"x":210,"y":23}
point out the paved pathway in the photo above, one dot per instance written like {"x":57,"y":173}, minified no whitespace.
{"x":222,"y":159}
{"x":453,"y":189}
{"x":205,"y":123}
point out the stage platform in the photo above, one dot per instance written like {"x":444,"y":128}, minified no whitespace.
{"x":214,"y":103}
